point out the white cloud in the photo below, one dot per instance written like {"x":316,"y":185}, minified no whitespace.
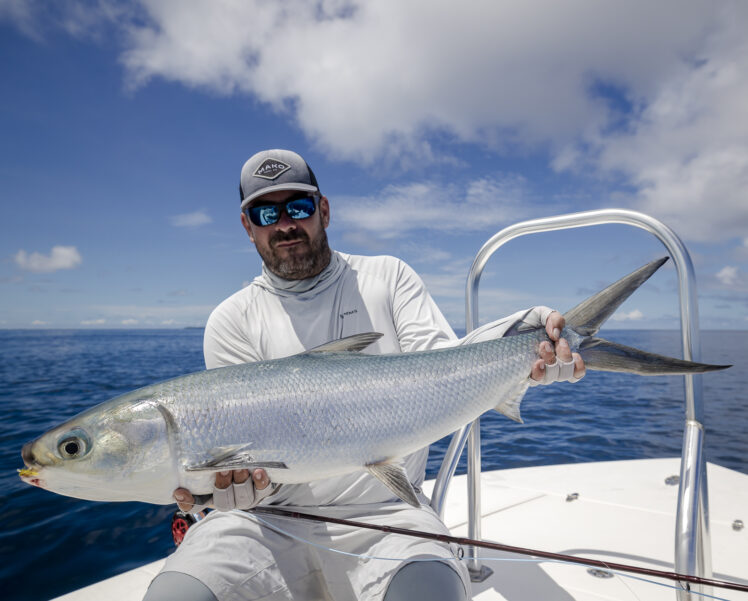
{"x":22,"y":14}
{"x":490,"y":71}
{"x":686,"y":151}
{"x":532,"y":75}
{"x":80,"y":19}
{"x":129,"y":322}
{"x":38,"y":322}
{"x":93,"y":322}
{"x":194,"y":219}
{"x":624,"y":87}
{"x":448,"y":289}
{"x":634,"y":315}
{"x":360,"y":82}
{"x":419,"y":252}
{"x":485,"y":203}
{"x":154,"y":314}
{"x":728,"y":275}
{"x":60,"y":257}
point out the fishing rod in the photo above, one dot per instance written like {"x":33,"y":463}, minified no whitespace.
{"x":446,"y":538}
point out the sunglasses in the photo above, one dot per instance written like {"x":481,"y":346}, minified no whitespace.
{"x":296,"y":208}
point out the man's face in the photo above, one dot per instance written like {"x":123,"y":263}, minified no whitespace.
{"x":294,"y":249}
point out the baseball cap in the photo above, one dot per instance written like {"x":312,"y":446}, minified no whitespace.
{"x":273,"y":170}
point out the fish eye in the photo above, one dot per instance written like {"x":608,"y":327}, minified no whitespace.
{"x":73,"y":445}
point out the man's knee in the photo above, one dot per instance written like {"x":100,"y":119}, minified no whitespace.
{"x":176,"y":586}
{"x":433,"y":580}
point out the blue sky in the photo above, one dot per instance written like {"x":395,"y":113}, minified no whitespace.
{"x":430,"y":126}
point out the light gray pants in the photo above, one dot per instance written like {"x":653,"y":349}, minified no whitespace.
{"x":431,"y":580}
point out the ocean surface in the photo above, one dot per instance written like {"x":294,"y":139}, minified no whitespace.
{"x":50,"y":545}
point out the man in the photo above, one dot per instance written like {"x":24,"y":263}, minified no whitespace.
{"x":308,"y":295}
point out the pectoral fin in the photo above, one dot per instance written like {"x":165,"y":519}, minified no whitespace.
{"x":233,"y":458}
{"x":393,"y":476}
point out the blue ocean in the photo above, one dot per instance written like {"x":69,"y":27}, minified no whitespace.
{"x":50,"y":544}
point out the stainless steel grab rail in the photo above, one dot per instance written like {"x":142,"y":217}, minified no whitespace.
{"x":692,"y":538}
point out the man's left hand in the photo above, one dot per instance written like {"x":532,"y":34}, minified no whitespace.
{"x":557,"y":363}
{"x":232,"y":490}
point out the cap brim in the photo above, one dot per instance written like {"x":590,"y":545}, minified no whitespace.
{"x":277,"y":188}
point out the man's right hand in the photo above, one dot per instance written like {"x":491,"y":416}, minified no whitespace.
{"x":568,"y":366}
{"x":232,"y":490}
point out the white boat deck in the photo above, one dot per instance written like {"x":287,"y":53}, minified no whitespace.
{"x":624,"y":513}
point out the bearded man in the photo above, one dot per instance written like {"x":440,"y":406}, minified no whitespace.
{"x":308,"y":295}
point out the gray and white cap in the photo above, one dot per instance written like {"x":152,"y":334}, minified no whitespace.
{"x":273,"y":170}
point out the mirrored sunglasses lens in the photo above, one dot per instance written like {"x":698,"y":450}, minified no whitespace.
{"x":266,"y":215}
{"x":301,"y":208}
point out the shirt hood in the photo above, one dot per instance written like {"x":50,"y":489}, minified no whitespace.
{"x":307,"y":288}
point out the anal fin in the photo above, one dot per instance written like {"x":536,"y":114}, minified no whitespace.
{"x":393,"y":476}
{"x":510,"y":406}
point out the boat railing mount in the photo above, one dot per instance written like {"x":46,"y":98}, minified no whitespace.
{"x":692,"y":540}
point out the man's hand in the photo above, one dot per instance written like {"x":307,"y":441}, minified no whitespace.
{"x":232,"y":490}
{"x":556,"y":363}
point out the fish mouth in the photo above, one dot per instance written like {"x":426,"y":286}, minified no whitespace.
{"x":28,"y":456}
{"x":30,"y":476}
{"x":29,"y":473}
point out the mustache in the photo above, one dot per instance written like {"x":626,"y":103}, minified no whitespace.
{"x":288,"y":237}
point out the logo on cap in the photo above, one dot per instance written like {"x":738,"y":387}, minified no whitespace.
{"x":271,"y":168}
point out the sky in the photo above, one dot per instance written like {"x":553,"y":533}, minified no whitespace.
{"x":430,"y":125}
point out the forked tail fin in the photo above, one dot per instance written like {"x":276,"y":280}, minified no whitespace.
{"x":587,"y":317}
{"x":602,"y":355}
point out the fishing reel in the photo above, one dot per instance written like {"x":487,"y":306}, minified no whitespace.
{"x":181,"y":522}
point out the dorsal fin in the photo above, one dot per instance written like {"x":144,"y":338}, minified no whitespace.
{"x":587,"y":317}
{"x":355,"y":343}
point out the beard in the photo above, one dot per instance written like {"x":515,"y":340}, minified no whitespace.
{"x":298,"y":264}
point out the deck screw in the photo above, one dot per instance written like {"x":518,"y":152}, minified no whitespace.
{"x":672,"y":480}
{"x":737,"y":525}
{"x":572,"y":496}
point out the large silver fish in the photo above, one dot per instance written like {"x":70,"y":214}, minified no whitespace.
{"x":323,"y":413}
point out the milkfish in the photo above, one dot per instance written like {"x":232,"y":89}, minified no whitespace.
{"x":326,"y":412}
